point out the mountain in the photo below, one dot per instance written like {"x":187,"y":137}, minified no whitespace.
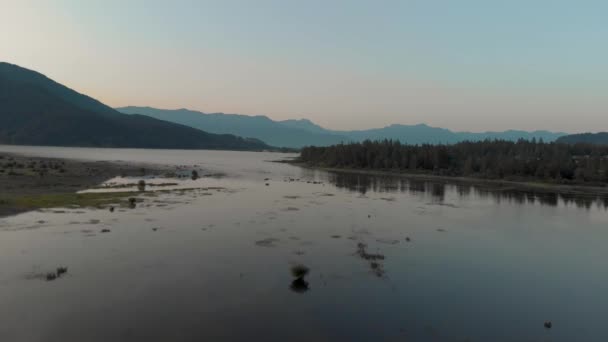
{"x":35,"y":110}
{"x":424,"y":134}
{"x":410,"y":134}
{"x":258,"y":127}
{"x":303,"y":132}
{"x":306,"y":125}
{"x":589,"y":138}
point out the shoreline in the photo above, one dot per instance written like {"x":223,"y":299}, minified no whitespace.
{"x":495,"y":184}
{"x":31,"y":183}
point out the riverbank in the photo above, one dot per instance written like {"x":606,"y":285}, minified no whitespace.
{"x":492,"y":184}
{"x":29,"y":183}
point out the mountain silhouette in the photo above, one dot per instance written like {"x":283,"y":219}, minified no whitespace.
{"x":260,"y":127}
{"x":35,"y":110}
{"x":303,"y":132}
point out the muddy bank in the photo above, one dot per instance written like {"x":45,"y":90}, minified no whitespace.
{"x":28,"y":182}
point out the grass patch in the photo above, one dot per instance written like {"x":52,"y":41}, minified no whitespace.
{"x":38,"y":201}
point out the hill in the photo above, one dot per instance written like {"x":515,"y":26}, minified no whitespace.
{"x":589,"y":138}
{"x":305,"y":124}
{"x":258,"y":127}
{"x":425,"y":134}
{"x":303,"y":132}
{"x":35,"y":110}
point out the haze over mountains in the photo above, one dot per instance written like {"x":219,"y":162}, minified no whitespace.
{"x":35,"y":110}
{"x":303,"y":132}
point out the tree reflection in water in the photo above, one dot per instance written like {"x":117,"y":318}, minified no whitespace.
{"x":436,"y":190}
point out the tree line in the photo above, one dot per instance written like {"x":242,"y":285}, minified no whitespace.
{"x":490,"y":159}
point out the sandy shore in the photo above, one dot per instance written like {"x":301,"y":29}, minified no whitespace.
{"x":24,"y":180}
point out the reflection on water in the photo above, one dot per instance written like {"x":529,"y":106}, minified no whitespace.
{"x":299,"y":285}
{"x":363,"y":183}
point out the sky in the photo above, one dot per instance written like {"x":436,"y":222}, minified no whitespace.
{"x":467,"y":65}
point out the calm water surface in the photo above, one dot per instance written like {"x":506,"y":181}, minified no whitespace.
{"x":213,"y":264}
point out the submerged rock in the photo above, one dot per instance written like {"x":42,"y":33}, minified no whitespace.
{"x":299,"y":285}
{"x":61,"y":271}
{"x":269,"y":242}
{"x":374,"y":260}
{"x":388,"y":241}
{"x":362,"y":252}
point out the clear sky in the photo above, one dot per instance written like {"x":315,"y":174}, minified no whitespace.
{"x":460,"y":64}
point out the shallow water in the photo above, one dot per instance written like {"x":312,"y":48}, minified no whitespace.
{"x":214,"y":263}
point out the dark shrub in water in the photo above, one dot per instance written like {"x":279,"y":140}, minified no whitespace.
{"x":299,"y":285}
{"x":61,"y":271}
{"x":299,"y":271}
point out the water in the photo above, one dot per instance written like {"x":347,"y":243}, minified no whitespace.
{"x":214,"y":264}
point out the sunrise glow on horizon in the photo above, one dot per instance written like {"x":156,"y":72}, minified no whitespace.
{"x":469,"y":65}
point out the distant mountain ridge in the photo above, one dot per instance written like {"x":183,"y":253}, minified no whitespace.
{"x":600,"y":138}
{"x":303,"y":132}
{"x":259,"y":127}
{"x":305,"y":124}
{"x":35,"y":110}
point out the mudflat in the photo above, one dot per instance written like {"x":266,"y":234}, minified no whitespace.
{"x":28,"y":182}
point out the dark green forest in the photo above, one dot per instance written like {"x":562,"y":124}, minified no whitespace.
{"x":589,"y":138}
{"x":519,"y":161}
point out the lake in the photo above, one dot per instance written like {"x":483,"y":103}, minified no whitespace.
{"x":389,"y":259}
